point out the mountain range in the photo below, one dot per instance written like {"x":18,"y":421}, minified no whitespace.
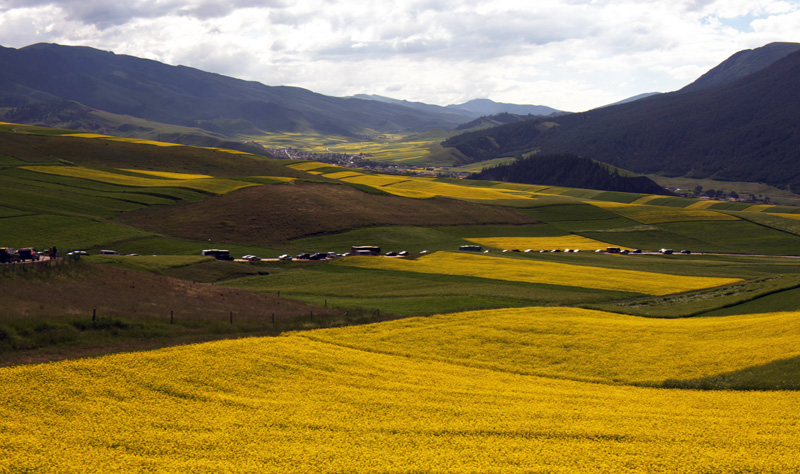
{"x":88,"y":89}
{"x":738,"y":122}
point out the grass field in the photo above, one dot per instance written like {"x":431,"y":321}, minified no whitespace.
{"x":405,"y":293}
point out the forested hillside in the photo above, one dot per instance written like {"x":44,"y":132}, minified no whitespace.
{"x":569,"y":171}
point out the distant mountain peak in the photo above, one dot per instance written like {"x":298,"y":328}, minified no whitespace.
{"x":474,"y":108}
{"x":743,"y":64}
{"x":489,"y":107}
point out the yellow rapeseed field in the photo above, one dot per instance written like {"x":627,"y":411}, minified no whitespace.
{"x":308,"y":165}
{"x":424,"y":187}
{"x":646,"y":199}
{"x":760,"y":208}
{"x":211,"y":185}
{"x":429,"y":185}
{"x":787,"y":216}
{"x":169,"y":175}
{"x":562,"y":242}
{"x":535,"y":271}
{"x":293,"y":404}
{"x":584,"y":345}
{"x":343,"y":174}
{"x":704,"y":204}
{"x":661,"y":214}
{"x":120,"y":139}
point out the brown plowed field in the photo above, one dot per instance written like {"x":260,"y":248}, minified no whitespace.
{"x":277,"y":213}
{"x":51,"y":302}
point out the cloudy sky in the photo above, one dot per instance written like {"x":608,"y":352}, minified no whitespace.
{"x":569,"y":54}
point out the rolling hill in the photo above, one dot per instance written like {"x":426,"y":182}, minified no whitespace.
{"x":742,"y":130}
{"x":43,"y":74}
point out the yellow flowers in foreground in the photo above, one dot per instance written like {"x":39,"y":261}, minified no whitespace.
{"x":583,"y":344}
{"x":533,"y":271}
{"x":293,"y":404}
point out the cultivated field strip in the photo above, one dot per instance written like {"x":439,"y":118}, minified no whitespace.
{"x":209,"y":185}
{"x":571,"y":242}
{"x":647,"y":214}
{"x":499,"y":268}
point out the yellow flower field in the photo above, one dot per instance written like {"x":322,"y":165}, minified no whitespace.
{"x":530,"y":188}
{"x":292,"y":404}
{"x":376,"y":181}
{"x":703,"y":204}
{"x":211,"y":185}
{"x":787,"y":216}
{"x":343,"y":174}
{"x":167,"y":174}
{"x":533,"y":271}
{"x":760,"y":207}
{"x":120,"y":139}
{"x":646,"y":199}
{"x":423,"y":187}
{"x":308,"y":165}
{"x":542,"y":243}
{"x":662,"y":214}
{"x":584,"y":345}
{"x":428,"y":185}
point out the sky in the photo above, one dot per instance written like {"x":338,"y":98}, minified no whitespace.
{"x":572,"y":55}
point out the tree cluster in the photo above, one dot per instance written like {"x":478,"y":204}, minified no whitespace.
{"x":569,"y":171}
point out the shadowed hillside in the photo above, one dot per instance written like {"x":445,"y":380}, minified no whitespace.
{"x":571,"y":171}
{"x":278,"y":213}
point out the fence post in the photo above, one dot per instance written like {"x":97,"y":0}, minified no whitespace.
{"x":231,"y":317}
{"x":94,"y":314}
{"x":171,"y":317}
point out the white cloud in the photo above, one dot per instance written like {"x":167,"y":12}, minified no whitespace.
{"x":568,"y":54}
